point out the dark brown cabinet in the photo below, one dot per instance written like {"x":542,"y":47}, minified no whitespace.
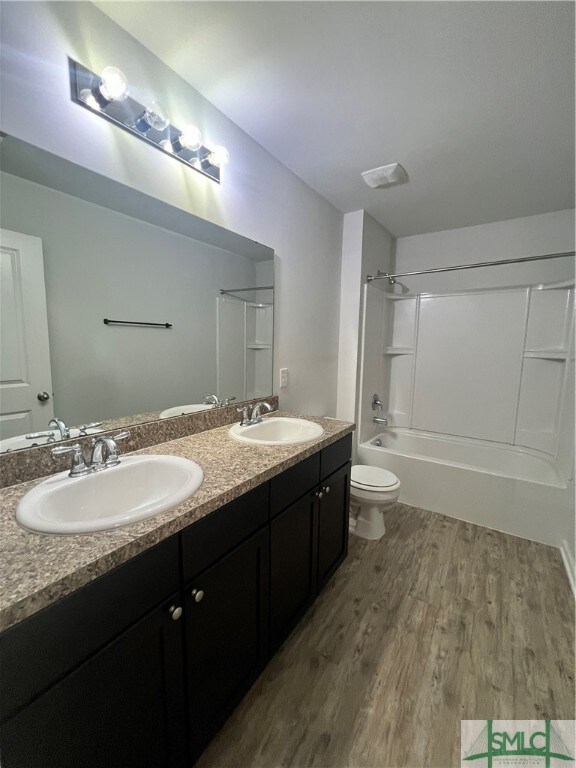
{"x":226,"y":635}
{"x":122,"y":706}
{"x":333,"y":509}
{"x":142,"y":666}
{"x":308,"y":537}
{"x":292,"y":566}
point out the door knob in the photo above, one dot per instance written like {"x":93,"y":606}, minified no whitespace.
{"x":43,"y":396}
{"x":198,"y":595}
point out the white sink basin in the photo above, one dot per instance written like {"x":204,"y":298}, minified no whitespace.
{"x":137,"y":488}
{"x":277,"y":430}
{"x":20,"y":441}
{"x":182,"y":410}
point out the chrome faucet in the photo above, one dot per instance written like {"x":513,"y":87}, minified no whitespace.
{"x":105,"y":451}
{"x":256,"y":411}
{"x":214,"y":401}
{"x":377,"y":406}
{"x":61,"y":427}
{"x":251,"y":414}
{"x":104,"y":454}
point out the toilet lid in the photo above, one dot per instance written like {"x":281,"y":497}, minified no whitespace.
{"x":372,"y":477}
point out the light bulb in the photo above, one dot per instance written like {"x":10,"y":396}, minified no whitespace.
{"x":218,"y":156}
{"x":152,"y":117}
{"x":190,"y":138}
{"x":113,"y":84}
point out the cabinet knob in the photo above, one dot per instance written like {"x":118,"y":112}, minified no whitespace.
{"x":319,"y":494}
{"x":327,"y":489}
{"x":175,"y":612}
{"x":198,"y":595}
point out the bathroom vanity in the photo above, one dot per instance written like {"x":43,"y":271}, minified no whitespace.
{"x":143,"y":664}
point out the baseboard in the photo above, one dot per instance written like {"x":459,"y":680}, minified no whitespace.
{"x":569,"y":564}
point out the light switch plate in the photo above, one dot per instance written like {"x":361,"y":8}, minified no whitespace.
{"x":283,"y":377}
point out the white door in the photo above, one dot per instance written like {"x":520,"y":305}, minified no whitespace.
{"x":25,"y":375}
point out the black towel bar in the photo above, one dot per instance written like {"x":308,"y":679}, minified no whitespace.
{"x":134,"y":322}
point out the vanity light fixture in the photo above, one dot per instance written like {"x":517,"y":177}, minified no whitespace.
{"x":113,"y":86}
{"x":189,"y":138}
{"x":152,"y":117}
{"x":107,"y":95}
{"x":218,"y":156}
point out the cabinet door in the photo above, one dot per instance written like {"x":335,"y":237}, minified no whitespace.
{"x":226,"y":635}
{"x":122,"y":707}
{"x":292,"y":566}
{"x":333,"y":512}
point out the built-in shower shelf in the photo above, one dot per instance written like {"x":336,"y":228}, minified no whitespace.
{"x":398,"y":351}
{"x":546,"y":354}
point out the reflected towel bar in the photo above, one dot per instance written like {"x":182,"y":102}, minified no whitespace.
{"x":135,"y":322}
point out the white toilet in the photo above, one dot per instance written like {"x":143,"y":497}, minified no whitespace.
{"x":372,"y":491}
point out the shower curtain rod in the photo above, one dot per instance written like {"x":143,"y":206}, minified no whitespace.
{"x":230,"y":291}
{"x":255,"y":288}
{"x":392,"y":278}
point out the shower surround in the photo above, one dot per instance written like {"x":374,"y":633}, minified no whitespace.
{"x":477,"y":386}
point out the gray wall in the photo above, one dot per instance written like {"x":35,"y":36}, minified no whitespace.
{"x":99,"y":264}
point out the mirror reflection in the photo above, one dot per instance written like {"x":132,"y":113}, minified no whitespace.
{"x":189,"y":306}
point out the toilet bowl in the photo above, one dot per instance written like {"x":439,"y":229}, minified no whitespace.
{"x":372,"y":491}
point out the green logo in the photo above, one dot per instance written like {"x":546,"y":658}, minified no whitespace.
{"x":495,"y":742}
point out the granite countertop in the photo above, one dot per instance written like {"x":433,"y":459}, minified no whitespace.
{"x":37,"y":569}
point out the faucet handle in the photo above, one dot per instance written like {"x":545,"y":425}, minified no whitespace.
{"x":85,"y":427}
{"x":245,"y":410}
{"x":35,"y":435}
{"x":78,"y":467}
{"x":121,"y":435}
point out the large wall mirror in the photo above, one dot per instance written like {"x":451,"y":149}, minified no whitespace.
{"x":190,"y":305}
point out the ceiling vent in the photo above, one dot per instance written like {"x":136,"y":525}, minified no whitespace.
{"x":385,"y":176}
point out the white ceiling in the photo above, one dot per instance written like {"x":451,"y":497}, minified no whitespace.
{"x":474,"y":99}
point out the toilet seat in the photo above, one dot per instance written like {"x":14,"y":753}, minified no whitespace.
{"x":367,"y":478}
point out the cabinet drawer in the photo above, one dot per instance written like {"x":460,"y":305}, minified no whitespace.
{"x":294,"y":483}
{"x":335,"y":456}
{"x":43,"y":648}
{"x":216,"y":534}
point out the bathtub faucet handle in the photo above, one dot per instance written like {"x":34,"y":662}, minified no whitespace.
{"x":380,"y":420}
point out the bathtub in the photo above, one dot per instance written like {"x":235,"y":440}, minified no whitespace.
{"x":512,"y":489}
